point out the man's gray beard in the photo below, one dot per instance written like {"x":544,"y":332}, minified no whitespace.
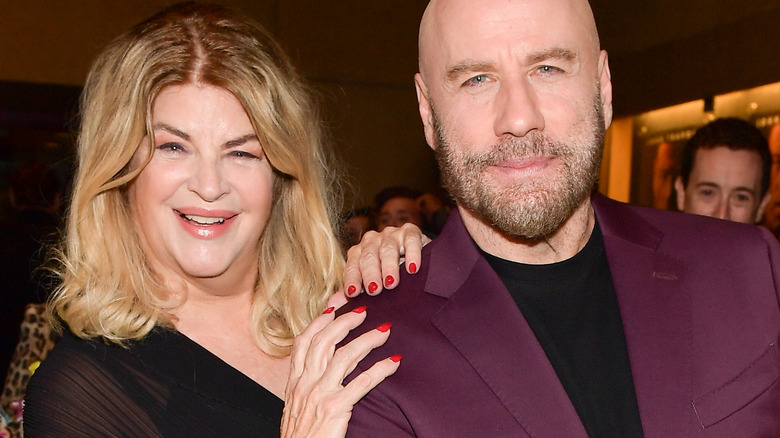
{"x":529,"y":210}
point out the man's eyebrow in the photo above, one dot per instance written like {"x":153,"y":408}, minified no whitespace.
{"x":168,"y":128}
{"x":745,"y":189}
{"x":467,"y":67}
{"x":554,"y":53}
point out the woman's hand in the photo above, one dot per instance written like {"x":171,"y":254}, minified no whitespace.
{"x":316,"y":402}
{"x":376,"y":259}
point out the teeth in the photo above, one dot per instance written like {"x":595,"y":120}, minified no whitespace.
{"x":202,"y":220}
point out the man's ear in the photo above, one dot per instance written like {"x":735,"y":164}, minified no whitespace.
{"x":424,"y":106}
{"x":680,"y":189}
{"x":761,"y":207}
{"x":605,"y":87}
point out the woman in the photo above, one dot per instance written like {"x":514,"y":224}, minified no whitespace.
{"x":199,"y":243}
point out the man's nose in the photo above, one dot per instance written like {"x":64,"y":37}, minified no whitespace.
{"x":723,"y":211}
{"x":517,"y":109}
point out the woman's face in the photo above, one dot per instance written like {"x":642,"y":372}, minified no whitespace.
{"x":201,"y":203}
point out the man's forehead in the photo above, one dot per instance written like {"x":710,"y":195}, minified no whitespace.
{"x":722,"y":159}
{"x":455,"y":28}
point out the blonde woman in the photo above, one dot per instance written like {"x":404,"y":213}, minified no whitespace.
{"x":199,"y":243}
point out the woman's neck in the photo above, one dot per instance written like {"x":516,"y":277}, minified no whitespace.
{"x":222,"y":325}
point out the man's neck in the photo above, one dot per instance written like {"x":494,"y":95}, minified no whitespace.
{"x":563,"y":244}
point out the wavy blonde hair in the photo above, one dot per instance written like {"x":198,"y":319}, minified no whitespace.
{"x":108,"y":288}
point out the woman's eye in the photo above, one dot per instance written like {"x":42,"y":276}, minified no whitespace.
{"x":243,"y":154}
{"x":173,"y":147}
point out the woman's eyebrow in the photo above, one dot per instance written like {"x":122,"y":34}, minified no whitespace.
{"x":168,"y":128}
{"x":241,"y":140}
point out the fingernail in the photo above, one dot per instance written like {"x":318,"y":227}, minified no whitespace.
{"x":395,"y":358}
{"x":412,"y":268}
{"x":372,"y":287}
{"x":360,"y":309}
{"x":384,"y":327}
{"x":351,"y":290}
{"x":389,"y":280}
{"x":328,"y":310}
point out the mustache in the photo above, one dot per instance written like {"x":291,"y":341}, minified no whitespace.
{"x":509,"y":148}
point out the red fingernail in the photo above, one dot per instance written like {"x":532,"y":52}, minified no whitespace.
{"x":328,"y":310}
{"x":389,"y":280}
{"x":351,"y":290}
{"x":384,"y":327}
{"x":412,"y":268}
{"x":395,"y":358}
{"x":372,"y":287}
{"x":360,"y":309}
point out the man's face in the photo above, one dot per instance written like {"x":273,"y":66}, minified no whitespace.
{"x":515,"y":108}
{"x":398,"y":211}
{"x":724,"y":183}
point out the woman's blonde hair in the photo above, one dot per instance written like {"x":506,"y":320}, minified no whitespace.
{"x":108,"y":288}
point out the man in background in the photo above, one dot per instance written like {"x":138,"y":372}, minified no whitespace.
{"x":725,"y":172}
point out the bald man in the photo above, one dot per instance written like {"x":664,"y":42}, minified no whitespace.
{"x":542,"y":309}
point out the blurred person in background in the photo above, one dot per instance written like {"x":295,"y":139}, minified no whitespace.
{"x":725,"y":172}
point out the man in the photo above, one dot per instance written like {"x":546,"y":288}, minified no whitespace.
{"x":725,"y":172}
{"x":396,"y":206}
{"x":542,"y":310}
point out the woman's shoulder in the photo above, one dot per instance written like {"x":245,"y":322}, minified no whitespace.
{"x":92,"y":375}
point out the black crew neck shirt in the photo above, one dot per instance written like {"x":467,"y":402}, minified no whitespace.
{"x":572,"y":309}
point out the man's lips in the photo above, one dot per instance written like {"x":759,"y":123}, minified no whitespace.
{"x":528,"y":165}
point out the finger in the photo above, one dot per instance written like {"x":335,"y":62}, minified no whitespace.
{"x":347,"y":357}
{"x":323,"y":343}
{"x":303,"y":341}
{"x":390,"y":253}
{"x":351,"y":276}
{"x":362,"y":266}
{"x":301,"y":345}
{"x":337,"y":300}
{"x":369,"y":262}
{"x":413,"y":242}
{"x":369,"y":379}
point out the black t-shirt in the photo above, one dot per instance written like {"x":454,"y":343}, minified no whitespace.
{"x":164,"y":386}
{"x":572,"y":309}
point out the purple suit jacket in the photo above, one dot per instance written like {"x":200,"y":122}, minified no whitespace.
{"x":699,"y":299}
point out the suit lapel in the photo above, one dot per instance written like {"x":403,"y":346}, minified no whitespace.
{"x":482,"y":322}
{"x":656,"y":314}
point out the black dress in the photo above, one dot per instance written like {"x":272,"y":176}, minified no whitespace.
{"x":164,"y":386}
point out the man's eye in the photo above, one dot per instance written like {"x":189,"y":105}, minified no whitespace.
{"x":477,"y":80}
{"x":548,"y":69}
